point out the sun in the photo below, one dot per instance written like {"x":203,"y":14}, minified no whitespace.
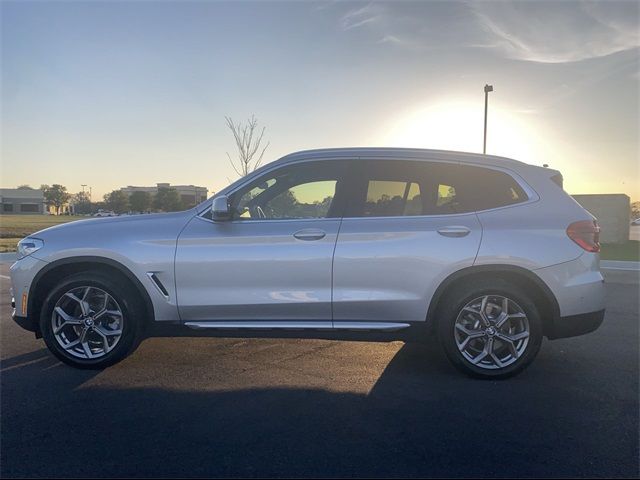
{"x":458,"y":125}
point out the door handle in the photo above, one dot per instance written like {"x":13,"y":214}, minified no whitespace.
{"x":454,"y":231}
{"x":310,"y":234}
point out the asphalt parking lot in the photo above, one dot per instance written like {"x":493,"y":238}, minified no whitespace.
{"x":195,"y":407}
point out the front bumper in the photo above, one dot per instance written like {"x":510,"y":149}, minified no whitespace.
{"x":574,"y":325}
{"x":26,"y":323}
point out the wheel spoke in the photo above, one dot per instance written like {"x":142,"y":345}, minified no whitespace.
{"x":67,"y":320}
{"x":512,"y":346}
{"x":488,"y":348}
{"x":483,"y":313}
{"x":504,"y":316}
{"x":105,"y":340}
{"x":71,"y":344}
{"x":107,"y":332}
{"x":518,"y":336}
{"x":84,"y":306}
{"x":87,"y":350}
{"x":113,"y":313}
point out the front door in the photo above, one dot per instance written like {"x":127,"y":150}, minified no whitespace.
{"x":272,"y":261}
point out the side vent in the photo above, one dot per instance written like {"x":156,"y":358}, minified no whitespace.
{"x":156,"y":281}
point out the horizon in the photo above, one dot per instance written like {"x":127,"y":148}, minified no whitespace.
{"x":142,"y":89}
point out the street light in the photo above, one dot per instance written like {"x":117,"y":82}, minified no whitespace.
{"x":487,"y":89}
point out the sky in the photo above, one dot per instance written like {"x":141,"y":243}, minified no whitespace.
{"x":116,"y":93}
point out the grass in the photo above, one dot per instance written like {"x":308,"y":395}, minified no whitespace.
{"x":629,"y":251}
{"x":15,"y":227}
{"x":8,"y":244}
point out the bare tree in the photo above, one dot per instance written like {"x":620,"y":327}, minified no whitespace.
{"x":248,"y":139}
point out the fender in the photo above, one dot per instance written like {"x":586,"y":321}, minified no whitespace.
{"x":498,"y":268}
{"x":88,"y":259}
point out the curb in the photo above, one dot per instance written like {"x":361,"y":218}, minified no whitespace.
{"x":619,"y":265}
{"x":8,"y":257}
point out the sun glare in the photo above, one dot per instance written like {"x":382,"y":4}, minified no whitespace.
{"x":459,"y":126}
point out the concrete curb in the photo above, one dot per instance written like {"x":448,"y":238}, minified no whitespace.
{"x":8,"y":257}
{"x":619,"y":265}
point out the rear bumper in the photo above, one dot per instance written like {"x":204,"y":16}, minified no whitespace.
{"x":575,"y":325}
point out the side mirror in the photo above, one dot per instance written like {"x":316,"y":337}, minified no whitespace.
{"x":220,"y":210}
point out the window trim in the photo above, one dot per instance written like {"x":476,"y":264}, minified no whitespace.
{"x":353,"y":162}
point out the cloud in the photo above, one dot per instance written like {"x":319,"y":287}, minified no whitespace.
{"x":558,"y":32}
{"x":540,"y":31}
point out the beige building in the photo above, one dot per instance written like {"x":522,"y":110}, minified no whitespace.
{"x":189,"y":194}
{"x":21,"y":201}
{"x":612,"y":211}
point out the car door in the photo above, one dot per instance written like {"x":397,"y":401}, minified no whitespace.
{"x":272,"y":260}
{"x":402,"y":234}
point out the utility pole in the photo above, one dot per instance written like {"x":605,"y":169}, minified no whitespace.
{"x":83,"y":189}
{"x":487,"y":89}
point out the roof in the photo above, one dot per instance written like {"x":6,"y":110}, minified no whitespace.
{"x":402,"y":153}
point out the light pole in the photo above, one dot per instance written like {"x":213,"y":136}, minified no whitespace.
{"x":487,"y":89}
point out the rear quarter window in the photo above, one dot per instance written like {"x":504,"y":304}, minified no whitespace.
{"x":463,"y":189}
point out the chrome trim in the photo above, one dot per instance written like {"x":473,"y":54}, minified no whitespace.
{"x":379,"y":326}
{"x":260,"y":325}
{"x":268,"y":325}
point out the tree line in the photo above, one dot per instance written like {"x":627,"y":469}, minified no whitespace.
{"x":250,"y":150}
{"x":57,"y":196}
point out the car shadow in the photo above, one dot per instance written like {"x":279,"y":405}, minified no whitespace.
{"x":421,"y":418}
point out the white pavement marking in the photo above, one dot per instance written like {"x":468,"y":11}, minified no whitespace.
{"x":5,"y":276}
{"x":619,"y":265}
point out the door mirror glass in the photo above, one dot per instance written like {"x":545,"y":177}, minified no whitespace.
{"x":220,"y":210}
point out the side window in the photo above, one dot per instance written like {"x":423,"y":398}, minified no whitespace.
{"x":446,"y":195}
{"x":465,"y":188}
{"x":387,"y":188}
{"x":392,"y":198}
{"x":306,"y":200}
{"x":306,"y":190}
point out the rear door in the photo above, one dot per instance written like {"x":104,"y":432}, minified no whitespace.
{"x":403,"y":232}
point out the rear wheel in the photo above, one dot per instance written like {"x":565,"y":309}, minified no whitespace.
{"x":490,"y":330}
{"x":90,"y":321}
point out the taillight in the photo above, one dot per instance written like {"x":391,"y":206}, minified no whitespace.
{"x":586,"y":234}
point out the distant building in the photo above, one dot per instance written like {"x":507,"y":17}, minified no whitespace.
{"x":189,"y":194}
{"x":20,"y":201}
{"x":612,"y":211}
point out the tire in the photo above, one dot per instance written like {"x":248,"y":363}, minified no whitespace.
{"x":477,"y":344}
{"x":69,"y":309}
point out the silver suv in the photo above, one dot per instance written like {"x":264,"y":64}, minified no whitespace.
{"x":486,"y":252}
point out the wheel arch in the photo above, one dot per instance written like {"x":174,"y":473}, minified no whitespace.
{"x":53,"y":271}
{"x":543,"y":296}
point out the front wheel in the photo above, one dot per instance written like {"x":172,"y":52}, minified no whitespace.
{"x":491,"y":331}
{"x":89,"y":321}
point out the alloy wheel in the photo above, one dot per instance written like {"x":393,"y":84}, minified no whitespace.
{"x":492,"y":332}
{"x":87,"y":322}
